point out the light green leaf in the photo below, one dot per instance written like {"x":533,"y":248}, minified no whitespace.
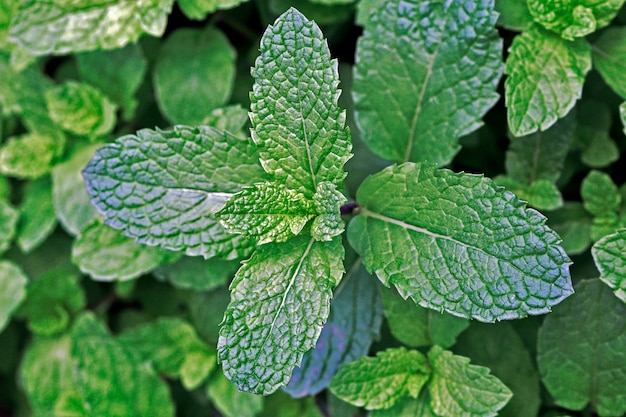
{"x":29,"y":156}
{"x":381,"y":381}
{"x":232,"y":118}
{"x":572,"y":223}
{"x":541,"y":194}
{"x":545,"y":78}
{"x":431,"y":83}
{"x":416,"y":326}
{"x":459,"y":389}
{"x":12,"y":290}
{"x":581,"y":351}
{"x":187,"y":93}
{"x":37,"y":216}
{"x":230,"y":401}
{"x":61,"y":27}
{"x":609,"y":58}
{"x":600,"y":195}
{"x":106,"y":254}
{"x":296,"y":122}
{"x":328,"y":201}
{"x":71,"y":201}
{"x":408,"y":407}
{"x":198,"y":9}
{"x":514,"y":14}
{"x":8,"y":225}
{"x":267,"y":212}
{"x":80,"y":108}
{"x":513,"y":365}
{"x":111,"y":378}
{"x":280,"y":298}
{"x":458,"y":243}
{"x":609,"y":254}
{"x":574,"y":18}
{"x":197,"y":273}
{"x":117,"y":73}
{"x":164,"y":187}
{"x":174,"y":348}
{"x":356,"y":314}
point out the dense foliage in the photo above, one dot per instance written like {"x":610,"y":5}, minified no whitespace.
{"x":313,"y":208}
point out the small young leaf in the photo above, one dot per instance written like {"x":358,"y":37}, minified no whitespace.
{"x":8,"y":225}
{"x":231,"y":118}
{"x":164,"y":187}
{"x":573,"y":224}
{"x":187,"y":93}
{"x":60,"y":27}
{"x":37,"y":216}
{"x":230,"y":401}
{"x":600,"y":195}
{"x":609,"y":254}
{"x":458,"y":243}
{"x":581,"y":351}
{"x":355,"y":318}
{"x":29,"y":156}
{"x":575,"y":18}
{"x":458,"y":389}
{"x":535,"y":97}
{"x":198,"y":9}
{"x":296,"y":122}
{"x":381,"y":381}
{"x":12,"y":290}
{"x":280,"y":298}
{"x":609,"y":58}
{"x":432,"y":82}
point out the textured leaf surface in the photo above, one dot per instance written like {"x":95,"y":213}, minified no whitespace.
{"x":106,"y":254}
{"x":198,"y":273}
{"x":432,"y":82}
{"x":8,"y":225}
{"x":198,"y":9}
{"x":60,"y":27}
{"x":545,"y":78}
{"x":29,"y":156}
{"x":609,"y":254}
{"x":297,"y":124}
{"x":37,"y":216}
{"x":280,"y":298}
{"x":581,"y":351}
{"x":459,"y":389}
{"x":230,"y":401}
{"x":416,"y":326}
{"x":111,"y":378}
{"x":541,"y":194}
{"x":379,"y":382}
{"x":187,"y":93}
{"x":609,"y":58}
{"x":12,"y":290}
{"x":164,"y":187}
{"x":574,"y":18}
{"x":355,"y":317}
{"x":457,"y":243}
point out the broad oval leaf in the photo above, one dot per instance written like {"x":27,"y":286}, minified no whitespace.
{"x":458,"y":243}
{"x":164,"y":187}
{"x":280,"y":298}
{"x":296,"y":122}
{"x":609,"y":254}
{"x":432,"y":81}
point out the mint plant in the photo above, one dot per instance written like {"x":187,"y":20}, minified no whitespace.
{"x":321,"y":208}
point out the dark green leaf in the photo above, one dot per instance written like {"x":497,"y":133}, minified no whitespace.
{"x":37,"y":216}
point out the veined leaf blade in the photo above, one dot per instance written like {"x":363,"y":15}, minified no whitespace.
{"x":609,"y":254}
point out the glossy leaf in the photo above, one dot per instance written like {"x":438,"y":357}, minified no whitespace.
{"x":458,"y":243}
{"x":164,"y":187}
{"x":545,"y":78}
{"x":280,"y":299}
{"x":296,"y":122}
{"x":12,"y":290}
{"x":432,"y":82}
{"x":609,"y":58}
{"x":609,"y":254}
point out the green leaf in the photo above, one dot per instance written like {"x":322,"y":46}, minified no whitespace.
{"x":106,"y":255}
{"x":355,"y":317}
{"x":322,"y":14}
{"x":111,"y":378}
{"x":117,"y":73}
{"x":8,"y":225}
{"x":513,"y":365}
{"x":600,"y":150}
{"x":415,"y":326}
{"x":573,"y":224}
{"x":459,"y":389}
{"x":581,"y":351}
{"x":296,"y":122}
{"x":541,"y":194}
{"x":61,"y":27}
{"x":408,"y":407}
{"x":80,"y":108}
{"x":29,"y":156}
{"x":280,"y":298}
{"x":187,"y":93}
{"x":232,"y":118}
{"x":280,"y":404}
{"x":575,"y":18}
{"x":609,"y":254}
{"x":53,"y":298}
{"x":12,"y":290}
{"x":230,"y":401}
{"x":328,"y":201}
{"x":609,"y":58}
{"x":37,"y":216}
{"x":600,"y":195}
{"x":381,"y":381}
{"x":186,"y":176}
{"x":174,"y":348}
{"x":197,"y":273}
{"x":514,"y":15}
{"x":458,"y":243}
{"x":545,"y":78}
{"x":198,"y":9}
{"x":432,"y":82}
